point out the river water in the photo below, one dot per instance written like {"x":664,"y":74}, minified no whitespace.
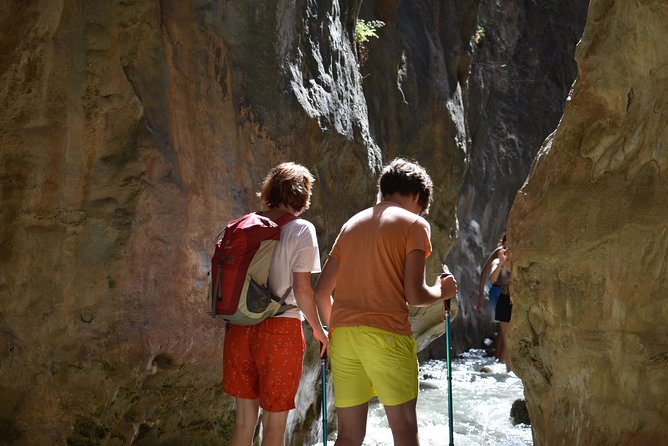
{"x":482,"y":392}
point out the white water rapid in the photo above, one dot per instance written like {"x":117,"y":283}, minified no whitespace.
{"x":481,"y":403}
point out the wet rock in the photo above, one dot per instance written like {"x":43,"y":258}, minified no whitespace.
{"x":519,"y":413}
{"x":588,"y":241}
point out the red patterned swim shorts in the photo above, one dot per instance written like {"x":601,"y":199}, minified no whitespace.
{"x":264,"y":362}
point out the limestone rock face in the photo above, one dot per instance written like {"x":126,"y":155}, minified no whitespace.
{"x":589,"y":244}
{"x":522,"y":67}
{"x":130,"y":133}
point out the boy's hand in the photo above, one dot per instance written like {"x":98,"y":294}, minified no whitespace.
{"x":448,"y":286}
{"x":324,"y":343}
{"x":324,"y":350}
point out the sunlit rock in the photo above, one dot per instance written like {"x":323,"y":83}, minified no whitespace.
{"x":588,"y":240}
{"x":131,"y":133}
{"x":522,"y":67}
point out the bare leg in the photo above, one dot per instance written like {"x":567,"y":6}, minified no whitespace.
{"x":500,"y":345}
{"x":352,"y":425}
{"x":273,"y":427}
{"x":244,"y":422}
{"x":503,"y":336}
{"x":403,"y":422}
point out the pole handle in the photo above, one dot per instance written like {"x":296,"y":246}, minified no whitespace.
{"x":446,"y":303}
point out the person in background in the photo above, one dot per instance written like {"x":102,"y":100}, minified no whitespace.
{"x":376,"y":268}
{"x":262,"y":364}
{"x":500,"y":276}
{"x":497,"y":270}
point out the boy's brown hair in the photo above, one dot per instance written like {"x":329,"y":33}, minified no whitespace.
{"x":288,"y":184}
{"x":407,"y":178}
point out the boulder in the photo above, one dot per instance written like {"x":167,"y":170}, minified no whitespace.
{"x":588,"y":240}
{"x":519,"y":413}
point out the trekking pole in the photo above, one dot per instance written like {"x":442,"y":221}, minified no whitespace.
{"x":323,"y":370}
{"x":446,"y":317}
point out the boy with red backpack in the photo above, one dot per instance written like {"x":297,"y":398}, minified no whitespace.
{"x":263,"y":362}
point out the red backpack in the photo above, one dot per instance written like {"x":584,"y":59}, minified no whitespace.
{"x":238,"y":289}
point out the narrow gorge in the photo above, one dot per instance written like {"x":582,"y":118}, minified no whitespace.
{"x":133,"y":130}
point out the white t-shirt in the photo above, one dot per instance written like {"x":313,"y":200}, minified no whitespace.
{"x":296,"y":251}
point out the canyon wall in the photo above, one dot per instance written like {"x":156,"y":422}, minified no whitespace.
{"x":589,"y":243}
{"x":522,"y":68}
{"x":131,"y":132}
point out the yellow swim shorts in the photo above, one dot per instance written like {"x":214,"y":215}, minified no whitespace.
{"x":368,"y":361}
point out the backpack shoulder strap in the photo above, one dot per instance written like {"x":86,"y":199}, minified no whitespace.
{"x":284,"y":219}
{"x":281,"y":301}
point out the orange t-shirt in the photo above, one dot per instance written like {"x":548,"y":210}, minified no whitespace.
{"x":371,"y":250}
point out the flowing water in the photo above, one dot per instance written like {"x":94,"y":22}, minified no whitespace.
{"x":481,"y":403}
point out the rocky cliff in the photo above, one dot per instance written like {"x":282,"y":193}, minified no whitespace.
{"x":589,"y":244}
{"x":522,"y":68}
{"x":131,"y":131}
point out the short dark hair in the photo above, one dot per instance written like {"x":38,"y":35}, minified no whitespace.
{"x":407,"y":178}
{"x":288,"y":184}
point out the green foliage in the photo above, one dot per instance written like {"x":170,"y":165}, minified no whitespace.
{"x":479,"y":34}
{"x":365,"y":30}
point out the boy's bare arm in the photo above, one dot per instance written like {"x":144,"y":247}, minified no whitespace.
{"x":418,"y":293}
{"x":324,"y":288}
